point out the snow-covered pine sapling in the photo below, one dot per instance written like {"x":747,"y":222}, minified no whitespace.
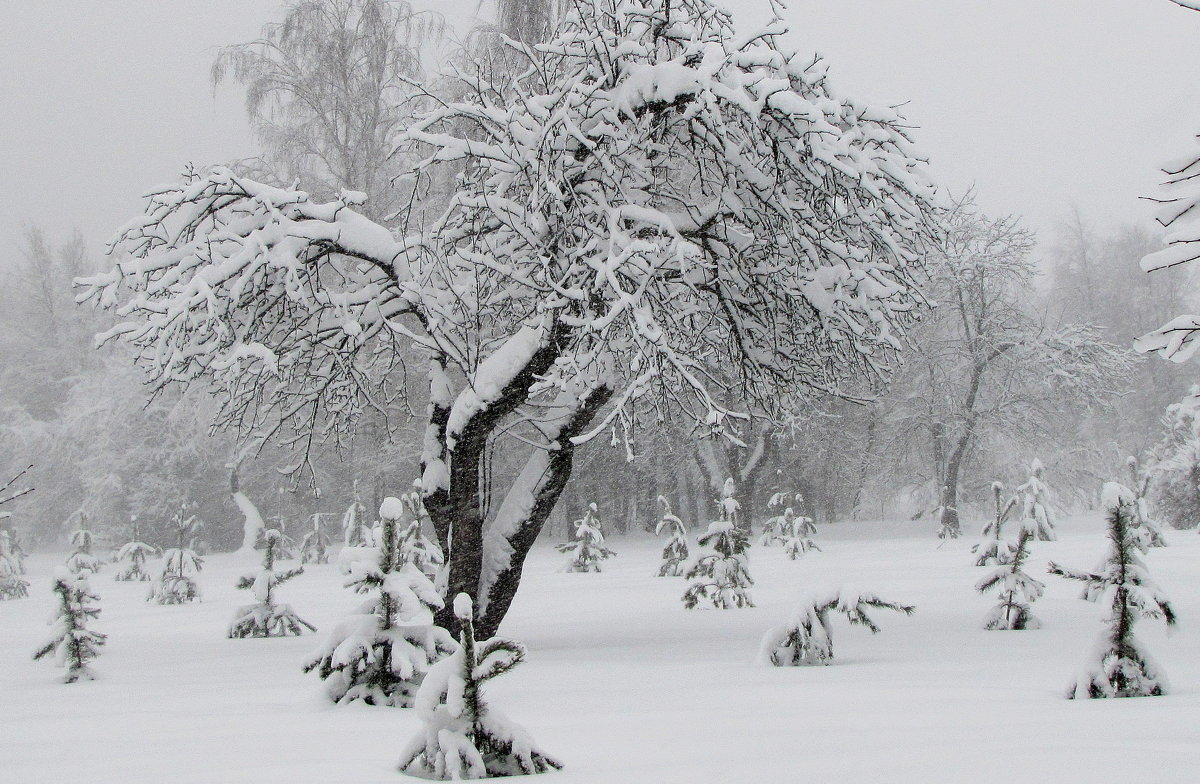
{"x":587,"y":549}
{"x":675,"y":554}
{"x":12,"y":585}
{"x":773,"y":527}
{"x":807,"y":638}
{"x":463,"y":736}
{"x":132,"y":556}
{"x":1035,"y":503}
{"x":796,"y":534}
{"x":1141,"y":486}
{"x":381,"y":654}
{"x":81,"y":559}
{"x":266,"y":617}
{"x":181,"y":565}
{"x":314,"y":547}
{"x":1017,"y":590}
{"x":356,"y":530}
{"x":73,"y":644}
{"x":1120,"y":666}
{"x":721,"y":573}
{"x":993,"y":547}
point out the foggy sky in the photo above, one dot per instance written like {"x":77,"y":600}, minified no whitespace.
{"x":1041,"y":104}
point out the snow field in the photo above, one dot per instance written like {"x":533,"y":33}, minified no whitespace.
{"x":624,"y":685}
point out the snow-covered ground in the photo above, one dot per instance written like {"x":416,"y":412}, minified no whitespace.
{"x":624,"y":685}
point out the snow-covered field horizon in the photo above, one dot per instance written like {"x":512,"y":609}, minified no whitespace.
{"x":624,"y":685}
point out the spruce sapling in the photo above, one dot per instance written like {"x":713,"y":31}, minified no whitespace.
{"x":1017,"y":590}
{"x":463,"y":736}
{"x":176,"y":583}
{"x":587,"y":550}
{"x":721,"y":573}
{"x":314,"y":547}
{"x":12,"y":585}
{"x":1141,"y":486}
{"x":773,"y":528}
{"x":74,"y":645}
{"x":133,"y":555}
{"x":796,"y":533}
{"x":807,"y":638}
{"x":266,"y":617}
{"x":994,"y":548}
{"x":675,"y":554}
{"x":381,"y":654}
{"x":1120,"y":666}
{"x":356,"y":532}
{"x":1035,"y":503}
{"x":81,"y":559}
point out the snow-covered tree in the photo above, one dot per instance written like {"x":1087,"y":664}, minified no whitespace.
{"x":586,"y":549}
{"x":252,"y":520}
{"x":1140,"y":484}
{"x":720,"y":574}
{"x":12,"y":585}
{"x":81,"y":558}
{"x":73,"y":644}
{"x":1120,"y":666}
{"x":796,"y":534}
{"x":381,"y":654}
{"x":266,"y":617}
{"x":1176,"y":468}
{"x":1017,"y":589}
{"x":779,"y":503}
{"x":463,"y":736}
{"x":1036,"y":512}
{"x":994,"y":548}
{"x":356,"y":531}
{"x":8,"y":494}
{"x":314,"y":547}
{"x":611,"y":245}
{"x":176,"y":583}
{"x":807,"y":638}
{"x":133,"y":555}
{"x":675,"y":554}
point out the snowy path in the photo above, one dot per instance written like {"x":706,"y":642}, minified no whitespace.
{"x":624,"y":685}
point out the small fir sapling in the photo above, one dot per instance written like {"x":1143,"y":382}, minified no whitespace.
{"x":721,"y":573}
{"x":1120,"y":666}
{"x":12,"y":585}
{"x":177,"y":582}
{"x":81,"y":559}
{"x":73,"y":644}
{"x":675,"y":554}
{"x":780,"y":503}
{"x":1141,"y":487}
{"x":15,"y":551}
{"x":381,"y":654}
{"x":1035,"y":504}
{"x":587,"y":550}
{"x":314,"y":547}
{"x":266,"y":617}
{"x":994,"y":548}
{"x":796,"y":534}
{"x":1017,"y":590}
{"x":133,"y":555}
{"x":463,"y":736}
{"x":807,"y":638}
{"x":356,"y":531}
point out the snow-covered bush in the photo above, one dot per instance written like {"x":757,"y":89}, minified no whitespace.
{"x":994,"y":548}
{"x":381,"y":654}
{"x":463,"y":736}
{"x":1036,"y":513}
{"x":73,"y":644}
{"x":780,"y":504}
{"x":1176,"y":469}
{"x":796,"y":534}
{"x":266,"y":617}
{"x":1017,"y":590}
{"x":587,"y":549}
{"x":132,"y":556}
{"x":176,"y":583}
{"x":675,"y":554}
{"x":1144,"y":514}
{"x":81,"y":558}
{"x":12,"y":585}
{"x":1120,"y":666}
{"x":314,"y":547}
{"x":807,"y":638}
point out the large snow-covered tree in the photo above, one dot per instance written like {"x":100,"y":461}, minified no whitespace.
{"x":653,"y":194}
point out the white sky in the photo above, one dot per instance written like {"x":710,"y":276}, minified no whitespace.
{"x":1041,"y":104}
